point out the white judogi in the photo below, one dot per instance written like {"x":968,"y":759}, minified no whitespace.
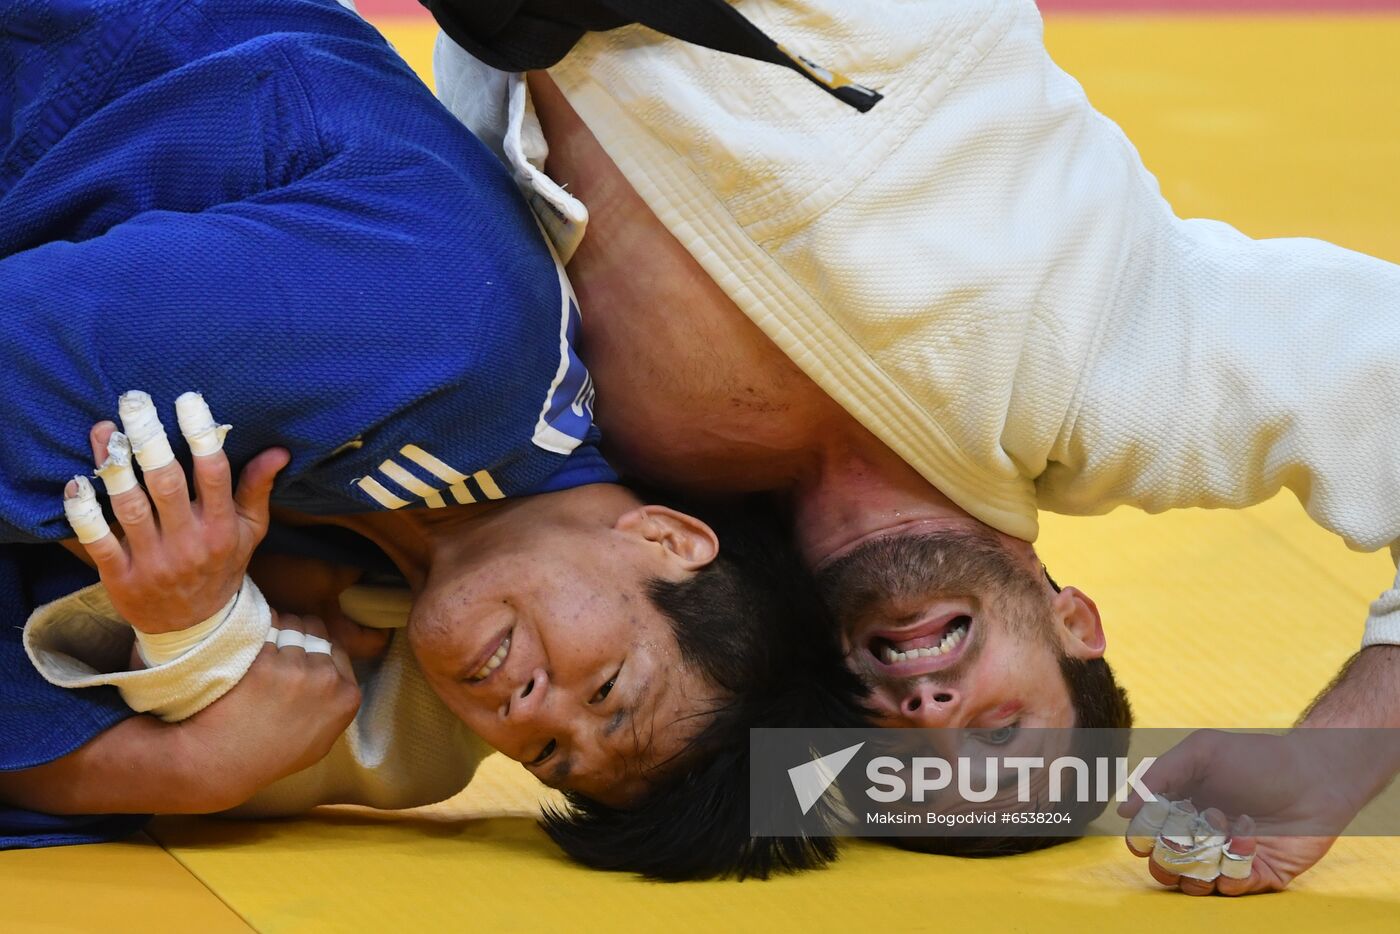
{"x":981,"y":271}
{"x":404,"y":748}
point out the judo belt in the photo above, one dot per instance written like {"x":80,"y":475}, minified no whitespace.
{"x":520,"y":35}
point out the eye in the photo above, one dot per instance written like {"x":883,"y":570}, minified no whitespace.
{"x":999,"y":737}
{"x":605,"y":690}
{"x":544,"y":754}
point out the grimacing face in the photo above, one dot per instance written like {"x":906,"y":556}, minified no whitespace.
{"x":549,"y":649}
{"x":959,"y":629}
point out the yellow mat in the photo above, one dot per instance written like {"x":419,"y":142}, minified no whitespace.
{"x":1280,"y":126}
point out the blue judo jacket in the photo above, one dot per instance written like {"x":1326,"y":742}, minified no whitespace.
{"x":259,"y":200}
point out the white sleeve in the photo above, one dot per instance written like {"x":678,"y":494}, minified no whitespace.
{"x":1383,"y":625}
{"x":80,"y":641}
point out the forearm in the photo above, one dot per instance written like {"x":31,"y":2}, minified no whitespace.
{"x":1361,"y":712}
{"x":140,"y":766}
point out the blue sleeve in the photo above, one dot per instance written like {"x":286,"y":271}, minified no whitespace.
{"x":39,"y":722}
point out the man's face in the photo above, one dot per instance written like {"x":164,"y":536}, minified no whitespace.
{"x":958,"y":629}
{"x":549,"y":649}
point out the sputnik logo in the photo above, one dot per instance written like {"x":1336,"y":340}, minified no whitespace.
{"x":810,"y":780}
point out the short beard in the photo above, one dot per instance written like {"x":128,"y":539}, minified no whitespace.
{"x":901,"y":569}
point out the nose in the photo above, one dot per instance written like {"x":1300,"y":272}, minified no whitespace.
{"x":528,"y":702}
{"x":929,"y":705}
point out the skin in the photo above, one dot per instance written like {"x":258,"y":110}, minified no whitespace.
{"x":515,"y":568}
{"x":593,"y":694}
{"x":753,"y":421}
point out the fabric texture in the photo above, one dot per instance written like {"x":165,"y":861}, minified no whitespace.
{"x":80,"y":641}
{"x":982,"y":272}
{"x":258,"y":200}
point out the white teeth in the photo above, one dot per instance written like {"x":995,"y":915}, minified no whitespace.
{"x":949,"y":642}
{"x":493,"y":662}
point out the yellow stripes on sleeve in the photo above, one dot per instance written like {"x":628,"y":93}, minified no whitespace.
{"x":432,"y":495}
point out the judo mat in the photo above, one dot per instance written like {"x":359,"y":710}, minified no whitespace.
{"x":1282,"y":123}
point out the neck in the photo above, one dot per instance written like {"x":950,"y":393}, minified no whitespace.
{"x":421,"y":540}
{"x":861,"y":490}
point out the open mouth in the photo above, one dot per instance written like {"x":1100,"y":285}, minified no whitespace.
{"x":930,"y":644}
{"x":494,"y":660}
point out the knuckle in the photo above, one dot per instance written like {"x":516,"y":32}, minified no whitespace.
{"x":166,"y":484}
{"x":214,"y":469}
{"x":131,"y":509}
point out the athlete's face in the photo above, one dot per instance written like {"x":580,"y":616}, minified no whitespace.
{"x":959,"y":629}
{"x":549,"y":648}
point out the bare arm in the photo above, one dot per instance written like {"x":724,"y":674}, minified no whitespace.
{"x":283,"y":716}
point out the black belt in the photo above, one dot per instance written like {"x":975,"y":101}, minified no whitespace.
{"x":521,"y":35}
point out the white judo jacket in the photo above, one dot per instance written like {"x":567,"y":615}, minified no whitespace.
{"x":982,"y":271}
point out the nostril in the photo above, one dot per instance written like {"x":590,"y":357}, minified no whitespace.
{"x":942,"y":698}
{"x":529,"y":686}
{"x":912,"y":704}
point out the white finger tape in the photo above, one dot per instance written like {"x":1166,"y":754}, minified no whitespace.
{"x":1145,"y":825}
{"x":1188,"y":845}
{"x":272,"y":635}
{"x":291,"y":639}
{"x":116,"y":471}
{"x":142,"y":425}
{"x":315,"y":645}
{"x":197,"y":424}
{"x":84,"y":514}
{"x":1234,"y":866}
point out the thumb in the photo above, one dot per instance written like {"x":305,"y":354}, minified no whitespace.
{"x":1171,"y":777}
{"x":255,"y":487}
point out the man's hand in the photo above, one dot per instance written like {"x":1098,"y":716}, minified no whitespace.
{"x":1305,"y":786}
{"x":178,"y":563}
{"x":284,"y":716}
{"x":1263,"y":782}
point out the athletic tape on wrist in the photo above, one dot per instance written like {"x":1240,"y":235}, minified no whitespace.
{"x":84,"y":514}
{"x":157,"y":649}
{"x":116,"y":471}
{"x":202,"y":433}
{"x":142,"y":425}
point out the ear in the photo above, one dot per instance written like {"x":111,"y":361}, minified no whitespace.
{"x":685,"y":538}
{"x":1080,"y":626}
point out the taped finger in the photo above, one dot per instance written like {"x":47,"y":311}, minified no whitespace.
{"x":1142,"y":830}
{"x":1187,"y":845}
{"x":291,"y":639}
{"x":142,"y":425}
{"x":202,"y":433}
{"x":1237,"y":855}
{"x":83,"y":512}
{"x":116,"y":471}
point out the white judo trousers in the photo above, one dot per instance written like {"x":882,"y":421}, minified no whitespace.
{"x":982,"y":271}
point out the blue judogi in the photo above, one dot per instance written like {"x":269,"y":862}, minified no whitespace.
{"x":256,"y":199}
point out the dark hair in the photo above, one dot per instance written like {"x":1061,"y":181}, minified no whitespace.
{"x":752,"y":623}
{"x":1100,"y":707}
